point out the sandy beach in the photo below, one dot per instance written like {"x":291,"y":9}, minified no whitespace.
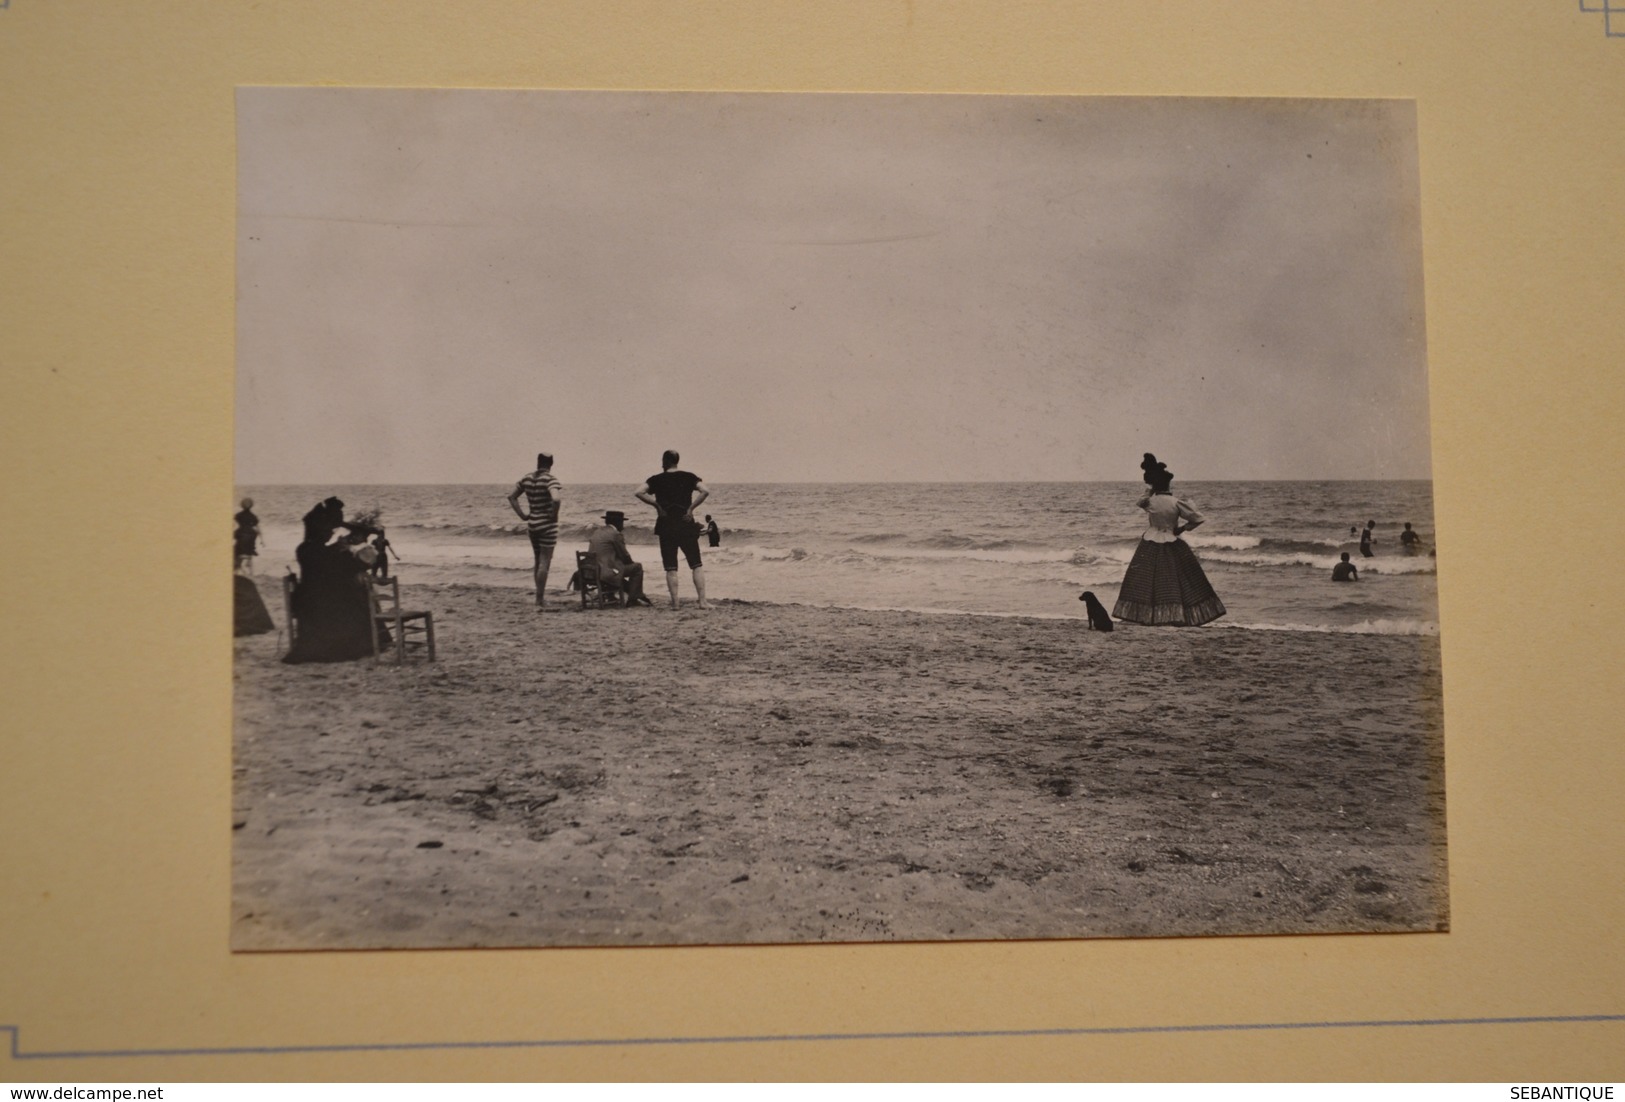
{"x":781,"y":773}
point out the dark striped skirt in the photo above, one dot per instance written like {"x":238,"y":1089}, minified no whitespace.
{"x":1165,"y":585}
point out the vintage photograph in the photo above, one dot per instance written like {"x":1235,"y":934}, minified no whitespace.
{"x":699,"y":518}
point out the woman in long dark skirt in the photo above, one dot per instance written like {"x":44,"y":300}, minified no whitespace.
{"x":249,"y":615}
{"x":330,"y":603}
{"x":1165,"y":583}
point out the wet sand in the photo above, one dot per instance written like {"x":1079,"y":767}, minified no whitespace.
{"x":767,"y":773}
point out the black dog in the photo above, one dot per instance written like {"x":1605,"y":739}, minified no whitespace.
{"x":1099,"y":620}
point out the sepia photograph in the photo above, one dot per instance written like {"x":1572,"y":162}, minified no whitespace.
{"x":675,"y":518}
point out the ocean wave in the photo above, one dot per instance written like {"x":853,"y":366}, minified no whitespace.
{"x":568,"y":533}
{"x":1229,"y":548}
{"x":895,"y":555}
{"x":1399,"y":626}
{"x":1366,"y":609}
{"x":491,"y":531}
{"x":1234,"y":548}
{"x":1226,"y":541}
{"x":945,"y":541}
{"x":1311,"y":547}
{"x":1073,"y":583}
{"x":1266,"y":559}
{"x":769,"y":554}
{"x":900,"y":558}
{"x":1107,"y":554}
{"x":1418,"y":565}
{"x":1010,"y":556}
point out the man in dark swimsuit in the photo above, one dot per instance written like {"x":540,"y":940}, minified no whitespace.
{"x":1345,"y":571}
{"x":675,"y":495}
{"x":1365,"y":539}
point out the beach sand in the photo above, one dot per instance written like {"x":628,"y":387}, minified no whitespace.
{"x":779,"y":773}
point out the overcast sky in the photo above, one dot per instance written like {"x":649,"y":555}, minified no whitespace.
{"x":435,"y":285}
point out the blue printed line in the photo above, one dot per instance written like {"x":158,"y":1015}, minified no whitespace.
{"x":789,"y":1038}
{"x":1607,"y":11}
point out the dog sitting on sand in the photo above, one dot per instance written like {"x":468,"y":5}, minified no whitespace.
{"x":1099,"y":619}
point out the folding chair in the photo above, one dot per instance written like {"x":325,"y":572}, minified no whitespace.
{"x":595,"y":593}
{"x":408,"y":628}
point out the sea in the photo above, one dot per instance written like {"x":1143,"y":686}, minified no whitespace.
{"x":987,"y":548}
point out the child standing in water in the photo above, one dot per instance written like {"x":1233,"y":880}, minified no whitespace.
{"x":385,"y":549}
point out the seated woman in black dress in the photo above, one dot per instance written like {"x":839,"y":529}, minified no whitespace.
{"x":331,"y":602}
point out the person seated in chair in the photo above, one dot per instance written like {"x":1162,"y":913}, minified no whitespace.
{"x":617,"y":569}
{"x":331,"y":601}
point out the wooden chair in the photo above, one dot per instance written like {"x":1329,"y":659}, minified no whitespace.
{"x":407,"y":627}
{"x":595,"y":593}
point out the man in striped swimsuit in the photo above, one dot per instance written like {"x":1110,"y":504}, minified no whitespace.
{"x":543,"y":493}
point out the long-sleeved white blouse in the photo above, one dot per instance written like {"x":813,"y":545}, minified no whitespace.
{"x":1165,"y":512}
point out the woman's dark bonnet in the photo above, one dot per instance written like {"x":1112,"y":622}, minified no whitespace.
{"x":1157,"y":474}
{"x":320,"y":521}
